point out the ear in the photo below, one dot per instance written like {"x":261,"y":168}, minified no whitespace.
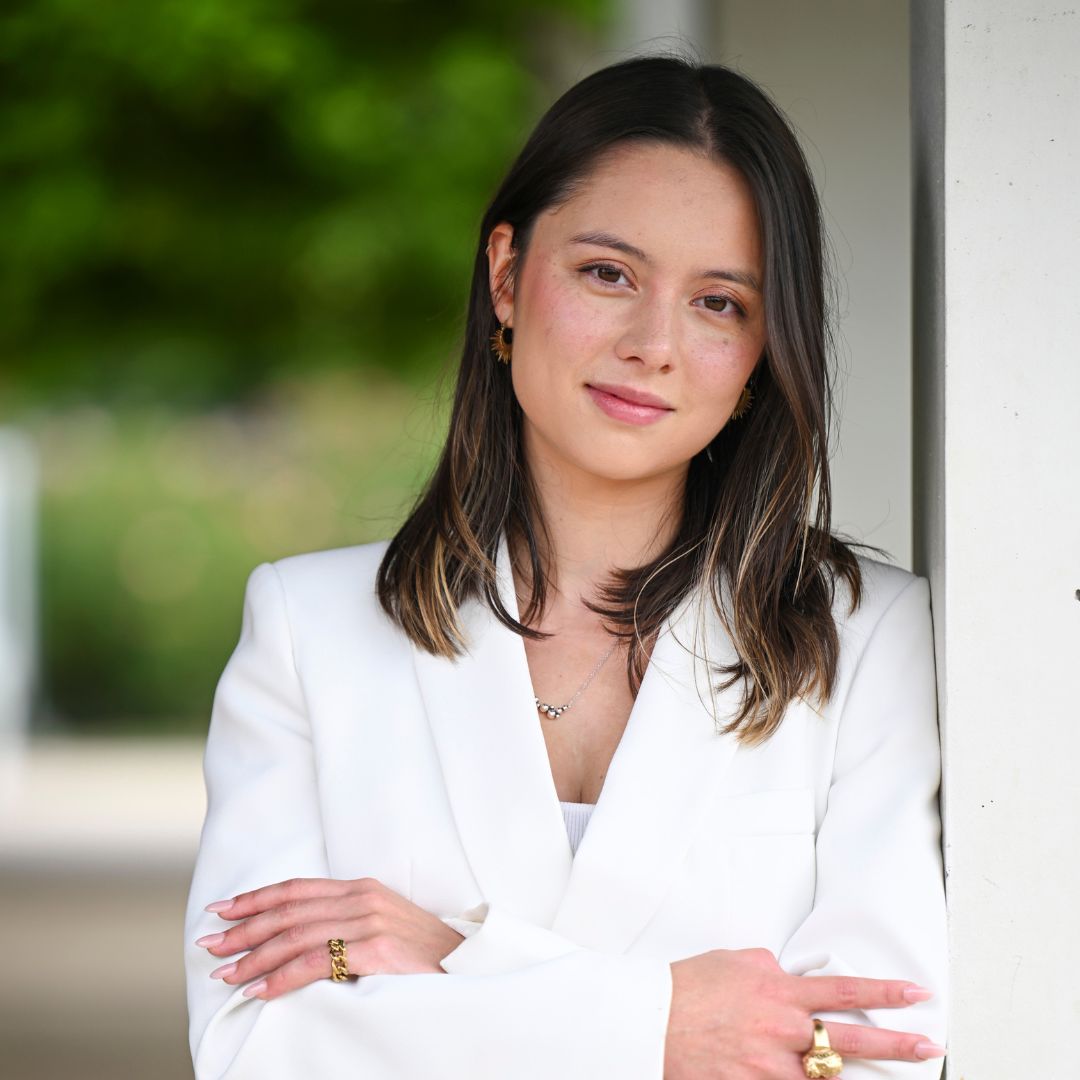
{"x":501,"y":260}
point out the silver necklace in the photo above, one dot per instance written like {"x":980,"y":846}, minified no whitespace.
{"x":555,"y":711}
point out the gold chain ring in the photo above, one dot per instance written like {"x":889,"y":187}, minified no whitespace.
{"x":339,"y":964}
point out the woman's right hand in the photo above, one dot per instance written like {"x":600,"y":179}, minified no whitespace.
{"x":737,"y":1015}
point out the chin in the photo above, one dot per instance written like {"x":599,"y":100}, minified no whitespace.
{"x":620,"y":469}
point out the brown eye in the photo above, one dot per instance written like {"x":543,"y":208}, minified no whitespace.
{"x":732,"y":308}
{"x":595,"y":269}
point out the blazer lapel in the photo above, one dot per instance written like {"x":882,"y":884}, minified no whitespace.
{"x":668,"y":765}
{"x":494,"y":761}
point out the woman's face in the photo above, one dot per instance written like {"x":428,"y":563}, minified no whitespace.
{"x":647,"y":280}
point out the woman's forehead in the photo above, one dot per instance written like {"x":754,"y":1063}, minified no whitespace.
{"x":658,"y":200}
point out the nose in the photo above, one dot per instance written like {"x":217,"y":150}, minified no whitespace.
{"x":649,"y":334}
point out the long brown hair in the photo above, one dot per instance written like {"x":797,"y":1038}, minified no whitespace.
{"x":755,"y":516}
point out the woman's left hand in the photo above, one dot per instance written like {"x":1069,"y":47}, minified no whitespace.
{"x":287,"y":925}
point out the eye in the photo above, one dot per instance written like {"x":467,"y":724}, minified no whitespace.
{"x":593,"y":270}
{"x":605,"y":267}
{"x":732,"y":307}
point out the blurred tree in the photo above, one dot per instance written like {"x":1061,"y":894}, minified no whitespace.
{"x":201,"y":195}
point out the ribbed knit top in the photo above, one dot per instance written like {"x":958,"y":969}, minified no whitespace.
{"x":576,"y":815}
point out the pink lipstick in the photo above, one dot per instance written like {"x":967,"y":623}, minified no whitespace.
{"x":637,"y":407}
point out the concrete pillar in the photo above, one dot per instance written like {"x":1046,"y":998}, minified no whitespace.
{"x":996,"y":159}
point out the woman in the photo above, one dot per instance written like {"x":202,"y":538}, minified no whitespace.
{"x":617,"y":602}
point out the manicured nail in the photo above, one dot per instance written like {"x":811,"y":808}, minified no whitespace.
{"x":917,"y":993}
{"x":211,"y":940}
{"x":258,"y":988}
{"x":225,"y":969}
{"x":220,"y":905}
{"x":930,"y":1050}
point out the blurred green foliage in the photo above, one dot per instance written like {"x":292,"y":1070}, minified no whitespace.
{"x":238,"y":238}
{"x":153,"y":519}
{"x":201,"y":194}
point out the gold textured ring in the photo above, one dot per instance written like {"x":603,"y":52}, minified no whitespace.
{"x":339,"y":962}
{"x":821,"y":1059}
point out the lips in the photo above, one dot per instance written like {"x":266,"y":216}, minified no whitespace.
{"x":624,"y":411}
{"x":634,"y":396}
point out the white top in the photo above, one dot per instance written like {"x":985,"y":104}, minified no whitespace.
{"x":576,"y":815}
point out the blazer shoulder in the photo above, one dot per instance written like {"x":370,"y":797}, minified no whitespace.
{"x":332,"y":563}
{"x":326,"y":581}
{"x":894,"y":611}
{"x":882,"y":584}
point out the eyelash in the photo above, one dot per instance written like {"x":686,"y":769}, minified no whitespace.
{"x":618,"y":270}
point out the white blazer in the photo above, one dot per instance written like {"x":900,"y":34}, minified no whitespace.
{"x":338,"y":749}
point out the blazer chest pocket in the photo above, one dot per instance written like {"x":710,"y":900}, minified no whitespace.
{"x":763,"y":865}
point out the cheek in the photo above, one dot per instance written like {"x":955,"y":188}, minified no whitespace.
{"x":721,"y":368}
{"x":717,"y":374}
{"x":563,"y":321}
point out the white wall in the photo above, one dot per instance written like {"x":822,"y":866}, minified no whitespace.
{"x":997,"y":171}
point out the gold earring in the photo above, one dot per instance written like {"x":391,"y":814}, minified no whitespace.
{"x":502,"y":342}
{"x":742,"y":406}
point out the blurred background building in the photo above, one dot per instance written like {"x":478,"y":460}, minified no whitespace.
{"x":237,"y":242}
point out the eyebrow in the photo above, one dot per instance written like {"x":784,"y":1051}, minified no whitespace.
{"x":608,"y":240}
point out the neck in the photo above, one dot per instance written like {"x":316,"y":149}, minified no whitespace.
{"x":596,"y":524}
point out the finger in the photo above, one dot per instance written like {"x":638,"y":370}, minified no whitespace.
{"x":857,"y":1040}
{"x":315,"y":963}
{"x":265,"y":925}
{"x":833,"y":993}
{"x":250,"y":903}
{"x":293,"y":943}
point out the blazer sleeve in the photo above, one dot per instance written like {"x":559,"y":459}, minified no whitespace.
{"x":497,"y":941}
{"x":576,"y":1014}
{"x":879,"y":905}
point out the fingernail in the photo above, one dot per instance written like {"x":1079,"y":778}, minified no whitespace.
{"x":917,"y":993}
{"x":225,"y":969}
{"x":930,"y":1050}
{"x":210,"y":940}
{"x":255,"y":988}
{"x":220,"y":905}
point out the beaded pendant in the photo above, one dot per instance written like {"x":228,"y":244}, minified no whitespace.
{"x":554,"y":711}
